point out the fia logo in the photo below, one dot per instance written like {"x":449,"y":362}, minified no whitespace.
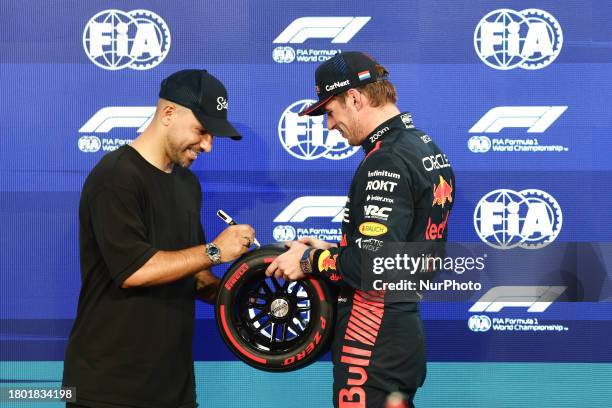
{"x":479,"y":144}
{"x":506,"y":39}
{"x":137,"y":39}
{"x":479,"y":323}
{"x":507,"y":219}
{"x":283,"y":55}
{"x":307,"y":138}
{"x":284,"y":233}
{"x":89,"y":144}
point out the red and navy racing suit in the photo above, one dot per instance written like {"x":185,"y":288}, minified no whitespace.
{"x":402,"y":192}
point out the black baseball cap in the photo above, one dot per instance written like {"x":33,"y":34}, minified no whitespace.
{"x":205,"y":95}
{"x":340,"y":73}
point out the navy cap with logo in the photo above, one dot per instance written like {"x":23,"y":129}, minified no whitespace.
{"x":205,"y":95}
{"x":340,"y":73}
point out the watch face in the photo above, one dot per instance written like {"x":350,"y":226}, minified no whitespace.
{"x":213,"y":250}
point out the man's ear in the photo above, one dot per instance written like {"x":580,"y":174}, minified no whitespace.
{"x":167,"y":113}
{"x":355,"y":98}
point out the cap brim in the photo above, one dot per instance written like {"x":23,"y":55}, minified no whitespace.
{"x":217,"y":126}
{"x":316,"y":109}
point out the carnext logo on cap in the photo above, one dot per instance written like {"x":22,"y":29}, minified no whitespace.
{"x":336,"y":85}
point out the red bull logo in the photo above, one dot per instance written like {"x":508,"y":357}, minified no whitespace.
{"x":327,"y":262}
{"x":442,"y":193}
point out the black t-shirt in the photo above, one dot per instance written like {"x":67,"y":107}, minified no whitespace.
{"x":132,"y":347}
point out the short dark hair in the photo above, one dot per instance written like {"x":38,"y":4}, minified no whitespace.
{"x":379,"y":93}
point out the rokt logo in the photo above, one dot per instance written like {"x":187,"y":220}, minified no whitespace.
{"x":479,"y":323}
{"x":339,"y":29}
{"x":506,"y":219}
{"x":530,"y":39}
{"x":137,"y":39}
{"x":307,"y":138}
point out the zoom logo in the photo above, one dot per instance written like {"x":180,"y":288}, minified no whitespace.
{"x":506,"y":219}
{"x":137,"y":39}
{"x":506,"y":39}
{"x":307,"y":137}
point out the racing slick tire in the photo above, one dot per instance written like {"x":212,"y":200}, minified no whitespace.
{"x":272,"y":324}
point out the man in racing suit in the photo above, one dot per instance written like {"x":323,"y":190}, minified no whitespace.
{"x":401,"y":196}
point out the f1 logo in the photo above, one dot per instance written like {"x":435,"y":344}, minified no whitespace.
{"x":340,"y":29}
{"x":536,"y":118}
{"x":306,"y":207}
{"x":106,"y":119}
{"x":536,"y":298}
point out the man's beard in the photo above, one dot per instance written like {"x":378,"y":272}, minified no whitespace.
{"x":177,"y":156}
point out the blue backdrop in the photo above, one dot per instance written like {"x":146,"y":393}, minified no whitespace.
{"x":516,"y":93}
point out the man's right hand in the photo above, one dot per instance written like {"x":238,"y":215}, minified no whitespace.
{"x":316,"y":243}
{"x":234,"y":241}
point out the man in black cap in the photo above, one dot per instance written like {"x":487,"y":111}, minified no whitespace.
{"x":400,"y":197}
{"x":144,"y":257}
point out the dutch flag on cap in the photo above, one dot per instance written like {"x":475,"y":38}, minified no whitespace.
{"x":363,"y":75}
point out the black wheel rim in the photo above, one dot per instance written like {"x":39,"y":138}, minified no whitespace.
{"x":273,"y":315}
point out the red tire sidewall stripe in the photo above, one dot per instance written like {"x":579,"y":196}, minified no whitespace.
{"x":317,"y":286}
{"x":234,"y":342}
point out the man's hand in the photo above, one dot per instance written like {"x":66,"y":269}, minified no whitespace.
{"x":207,"y":286}
{"x":316,"y":243}
{"x":234,"y":241}
{"x":287,"y":265}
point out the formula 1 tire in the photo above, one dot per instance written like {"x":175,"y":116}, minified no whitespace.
{"x":270,"y":324}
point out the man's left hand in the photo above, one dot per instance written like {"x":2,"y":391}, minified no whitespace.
{"x":207,"y":286}
{"x":287,"y":265}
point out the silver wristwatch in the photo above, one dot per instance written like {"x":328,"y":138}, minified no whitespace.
{"x":214,"y":253}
